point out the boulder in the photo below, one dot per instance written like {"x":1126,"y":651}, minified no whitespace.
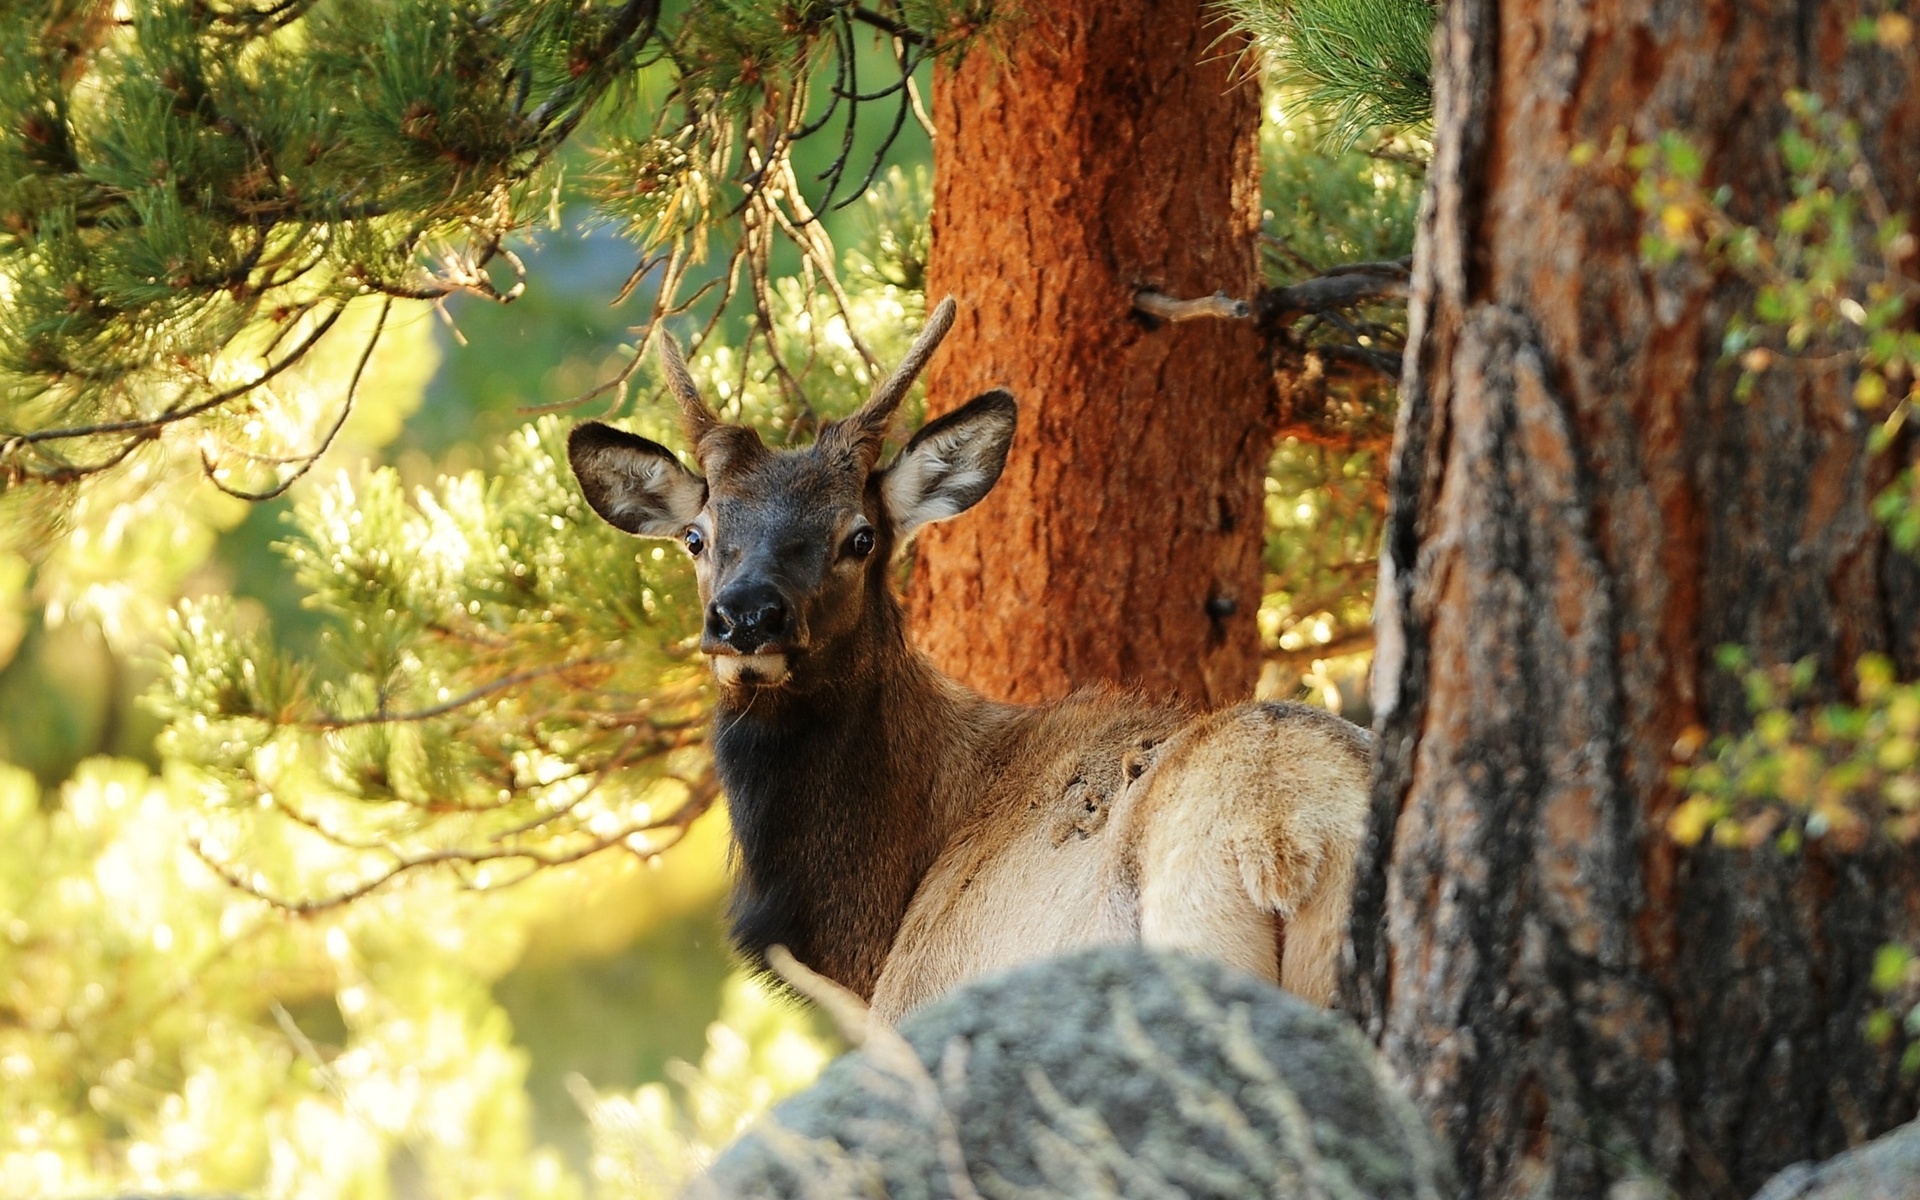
{"x":1111,"y":1072}
{"x":1887,"y":1168}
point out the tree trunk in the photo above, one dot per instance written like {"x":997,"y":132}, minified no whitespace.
{"x":1111,"y":147}
{"x":1581,"y":512}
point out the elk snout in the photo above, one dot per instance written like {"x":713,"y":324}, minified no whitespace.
{"x":747,"y":618}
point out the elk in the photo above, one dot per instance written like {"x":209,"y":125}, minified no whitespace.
{"x":901,"y":834}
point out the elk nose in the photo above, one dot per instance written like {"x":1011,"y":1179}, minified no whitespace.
{"x":747,"y":619}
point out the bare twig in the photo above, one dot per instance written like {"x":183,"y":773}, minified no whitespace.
{"x":403,"y":864}
{"x":1338,"y":287}
{"x":893,"y":1055}
{"x":306,"y":462}
{"x":1218,"y":306}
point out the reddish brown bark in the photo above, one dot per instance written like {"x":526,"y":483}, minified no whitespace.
{"x":1581,"y":513}
{"x":1111,"y":147}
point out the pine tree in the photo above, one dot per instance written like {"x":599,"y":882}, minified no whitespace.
{"x":1643,"y":890}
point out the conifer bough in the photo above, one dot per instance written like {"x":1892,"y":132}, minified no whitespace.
{"x":193,"y":191}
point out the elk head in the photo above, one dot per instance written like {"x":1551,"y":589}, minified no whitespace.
{"x":790,"y":546}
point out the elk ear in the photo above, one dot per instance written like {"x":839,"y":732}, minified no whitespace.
{"x":634,"y":484}
{"x":950,"y":464}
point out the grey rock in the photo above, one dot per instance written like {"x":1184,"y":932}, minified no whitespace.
{"x":1887,"y":1168}
{"x":1111,"y":1072}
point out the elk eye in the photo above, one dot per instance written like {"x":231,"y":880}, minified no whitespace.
{"x":861,"y":543}
{"x":696,"y":542}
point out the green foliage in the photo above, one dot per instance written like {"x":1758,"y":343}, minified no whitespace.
{"x":1832,"y":271}
{"x":1842,"y":772}
{"x":1358,"y":65}
{"x":187,"y":183}
{"x":1834,"y":293}
{"x":163,"y":1031}
{"x":221,"y":231}
{"x":1896,"y":979}
{"x":1324,"y":508}
{"x":1323,"y":210}
{"x":655,"y":1139}
{"x":1326,"y":484}
{"x":146,"y":1041}
{"x":502,"y":670}
{"x":503,"y":682}
{"x":1832,"y":300}
{"x":190,"y":197}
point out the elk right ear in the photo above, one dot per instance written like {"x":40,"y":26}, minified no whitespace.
{"x":634,"y":484}
{"x":951,"y":463}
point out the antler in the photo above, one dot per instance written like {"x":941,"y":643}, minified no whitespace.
{"x":695,"y":416}
{"x":866,"y":429}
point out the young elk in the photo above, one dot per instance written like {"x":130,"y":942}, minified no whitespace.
{"x":901,"y":834}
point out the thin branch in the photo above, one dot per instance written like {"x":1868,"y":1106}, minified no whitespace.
{"x":843,"y":34}
{"x":900,"y":30}
{"x":814,"y":243}
{"x":156,"y":423}
{"x":1338,"y":287}
{"x":406,"y":866}
{"x":17,"y":473}
{"x":633,"y":24}
{"x":1285,"y":248}
{"x":1385,"y":365}
{"x":886,"y":143}
{"x":346,"y":407}
{"x":920,"y":113}
{"x":381,"y":717}
{"x":1358,"y":642}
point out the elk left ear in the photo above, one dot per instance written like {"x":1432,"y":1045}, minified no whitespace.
{"x":950,"y":464}
{"x":634,"y":484}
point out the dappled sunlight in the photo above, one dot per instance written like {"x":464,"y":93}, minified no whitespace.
{"x":649,"y":1142}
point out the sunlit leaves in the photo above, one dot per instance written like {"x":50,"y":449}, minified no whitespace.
{"x":162,"y":1032}
{"x":761,"y":1050}
{"x":1833,"y":286}
{"x":1323,"y":512}
{"x":1896,"y":980}
{"x":505,"y":683}
{"x":1841,"y":772}
{"x":1832,"y":269}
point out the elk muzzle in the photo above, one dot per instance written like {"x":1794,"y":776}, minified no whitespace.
{"x":745,"y":627}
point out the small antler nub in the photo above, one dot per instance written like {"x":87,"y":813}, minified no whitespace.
{"x":695,"y":416}
{"x":887,"y":395}
{"x":867,"y":428}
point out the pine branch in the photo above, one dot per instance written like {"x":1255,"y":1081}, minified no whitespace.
{"x":331,"y":721}
{"x":1337,"y":287}
{"x":305,"y":463}
{"x":162,"y":212}
{"x":1359,"y":65}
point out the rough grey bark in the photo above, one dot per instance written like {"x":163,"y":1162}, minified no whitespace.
{"x":1111,"y":1072}
{"x":1581,"y":513}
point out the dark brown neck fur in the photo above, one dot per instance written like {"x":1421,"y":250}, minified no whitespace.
{"x":833,"y":788}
